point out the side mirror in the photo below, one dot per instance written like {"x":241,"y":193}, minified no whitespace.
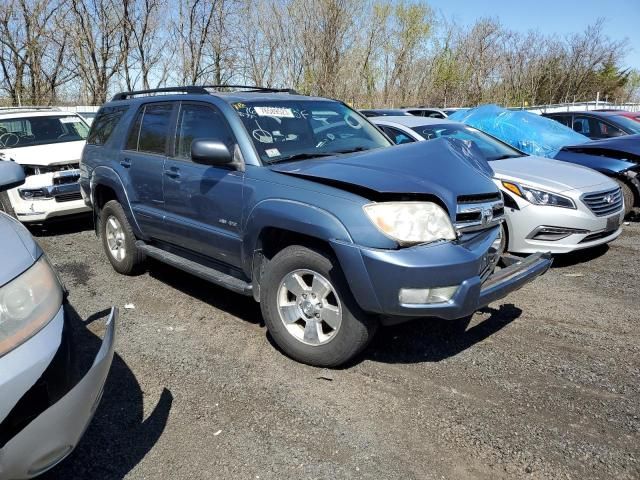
{"x":210,"y":152}
{"x":11,"y":175}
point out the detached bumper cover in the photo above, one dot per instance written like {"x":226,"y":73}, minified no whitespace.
{"x":53,"y":434}
{"x":376,"y":277}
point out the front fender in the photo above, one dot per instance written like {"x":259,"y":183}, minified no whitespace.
{"x":108,"y":177}
{"x":289,"y":215}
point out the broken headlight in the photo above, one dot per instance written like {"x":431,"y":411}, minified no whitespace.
{"x":27,"y":304}
{"x":411,"y":223}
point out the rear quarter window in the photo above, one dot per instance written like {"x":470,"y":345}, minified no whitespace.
{"x":104,"y":124}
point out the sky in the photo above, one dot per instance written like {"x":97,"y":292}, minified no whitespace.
{"x":554,"y":17}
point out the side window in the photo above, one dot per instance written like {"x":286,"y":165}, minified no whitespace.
{"x":581,"y":125}
{"x":398,"y":136}
{"x":563,"y":119}
{"x":104,"y":124}
{"x":200,"y":121}
{"x":151,"y":128}
{"x":606,"y":130}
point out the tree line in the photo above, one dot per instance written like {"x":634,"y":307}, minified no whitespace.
{"x":366,"y":52}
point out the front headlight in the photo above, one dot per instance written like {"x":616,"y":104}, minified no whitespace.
{"x":27,"y":304}
{"x":411,"y":222}
{"x":539,"y":197}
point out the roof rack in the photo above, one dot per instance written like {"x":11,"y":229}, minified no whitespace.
{"x":254,"y":88}
{"x":27,"y":109}
{"x":197,"y":89}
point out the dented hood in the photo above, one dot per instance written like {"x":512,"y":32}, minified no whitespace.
{"x":48,"y":154}
{"x":626,"y":147}
{"x":443,"y":167}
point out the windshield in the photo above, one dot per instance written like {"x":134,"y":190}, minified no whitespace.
{"x":632,"y":126}
{"x":41,"y":130}
{"x":491,"y":148}
{"x":297,"y":129}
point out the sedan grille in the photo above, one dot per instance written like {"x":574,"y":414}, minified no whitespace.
{"x":604,"y":203}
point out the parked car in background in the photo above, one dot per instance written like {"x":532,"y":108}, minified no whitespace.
{"x":323,"y":224}
{"x":618,"y":158}
{"x":47,"y":143}
{"x":598,"y":124}
{"x":431,"y":112}
{"x":88,"y":116}
{"x":44,"y":407}
{"x":550,"y":205}
{"x":383,"y":112}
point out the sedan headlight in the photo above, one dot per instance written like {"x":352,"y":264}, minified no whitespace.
{"x":411,"y":222}
{"x":27,"y":304}
{"x":539,"y":197}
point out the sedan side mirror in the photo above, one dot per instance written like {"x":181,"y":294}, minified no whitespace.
{"x":210,"y":152}
{"x":11,"y":175}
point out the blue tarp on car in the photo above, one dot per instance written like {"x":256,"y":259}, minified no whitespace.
{"x":523,"y":130}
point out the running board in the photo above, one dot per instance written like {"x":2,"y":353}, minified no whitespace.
{"x":206,"y":273}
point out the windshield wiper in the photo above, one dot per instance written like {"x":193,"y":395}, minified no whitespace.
{"x":353,"y":150}
{"x":504,"y":157}
{"x":302,"y":156}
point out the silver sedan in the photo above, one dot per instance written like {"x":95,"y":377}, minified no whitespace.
{"x":550,"y":205}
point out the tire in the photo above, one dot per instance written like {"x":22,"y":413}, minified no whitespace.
{"x":119,"y":241}
{"x":5,"y":205}
{"x":311,"y":339}
{"x":629,"y":198}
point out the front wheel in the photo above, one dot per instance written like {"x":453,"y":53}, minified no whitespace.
{"x":309,"y":309}
{"x":118,"y":240}
{"x":628,"y":196}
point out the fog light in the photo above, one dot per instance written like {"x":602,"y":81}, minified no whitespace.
{"x":422,"y":296}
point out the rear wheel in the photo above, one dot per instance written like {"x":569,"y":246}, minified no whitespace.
{"x":118,"y":240}
{"x":627,"y":194}
{"x":5,"y":205}
{"x":309,"y":310}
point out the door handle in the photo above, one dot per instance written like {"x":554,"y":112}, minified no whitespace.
{"x":125,"y":162}
{"x":172,"y":172}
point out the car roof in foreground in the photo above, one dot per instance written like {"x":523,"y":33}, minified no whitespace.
{"x":411,"y":121}
{"x":4,"y":114}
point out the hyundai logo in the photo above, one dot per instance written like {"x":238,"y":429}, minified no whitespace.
{"x":608,"y":198}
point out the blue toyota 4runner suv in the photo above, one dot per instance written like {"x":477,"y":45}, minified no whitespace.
{"x":301,"y":203}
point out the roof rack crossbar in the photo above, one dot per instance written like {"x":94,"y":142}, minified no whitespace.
{"x":187,"y":89}
{"x":27,"y":109}
{"x":254,"y":88}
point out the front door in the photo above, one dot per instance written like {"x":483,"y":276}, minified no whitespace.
{"x":142,"y":162}
{"x":203,"y":204}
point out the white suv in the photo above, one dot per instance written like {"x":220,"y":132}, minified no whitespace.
{"x":48,"y":144}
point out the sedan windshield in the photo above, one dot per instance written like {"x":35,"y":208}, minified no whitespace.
{"x":289,"y":130}
{"x":491,"y":148}
{"x":41,"y":130}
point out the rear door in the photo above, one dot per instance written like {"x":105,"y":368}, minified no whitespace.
{"x":142,"y":162}
{"x":203,"y":203}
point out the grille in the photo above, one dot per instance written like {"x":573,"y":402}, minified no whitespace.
{"x":479,"y":212}
{"x":68,"y":197}
{"x":40,"y":169}
{"x":604,"y":203}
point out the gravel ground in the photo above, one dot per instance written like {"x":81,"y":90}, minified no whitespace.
{"x":544,"y":384}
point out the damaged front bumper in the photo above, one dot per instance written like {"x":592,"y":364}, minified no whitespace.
{"x":391,"y":282}
{"x":49,"y":409}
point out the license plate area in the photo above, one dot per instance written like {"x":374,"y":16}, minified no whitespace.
{"x":614,"y":222}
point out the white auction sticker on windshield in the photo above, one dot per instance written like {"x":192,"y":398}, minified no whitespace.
{"x":272,"y":152}
{"x":70,"y":120}
{"x":274,"y":112}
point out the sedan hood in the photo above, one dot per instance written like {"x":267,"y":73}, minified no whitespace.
{"x":443,"y":167}
{"x":604,"y":164}
{"x":49,"y":154}
{"x":18,"y":250}
{"x":547,"y":174}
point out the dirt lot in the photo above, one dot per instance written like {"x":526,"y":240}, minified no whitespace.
{"x":545,"y":384}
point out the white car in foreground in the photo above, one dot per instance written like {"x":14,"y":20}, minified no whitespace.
{"x":48,"y":144}
{"x":550,"y":205}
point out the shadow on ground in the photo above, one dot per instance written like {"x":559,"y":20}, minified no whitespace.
{"x":63,"y":226}
{"x":119,"y":436}
{"x":579,"y":256}
{"x":434,"y":339}
{"x":235,"y":304}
